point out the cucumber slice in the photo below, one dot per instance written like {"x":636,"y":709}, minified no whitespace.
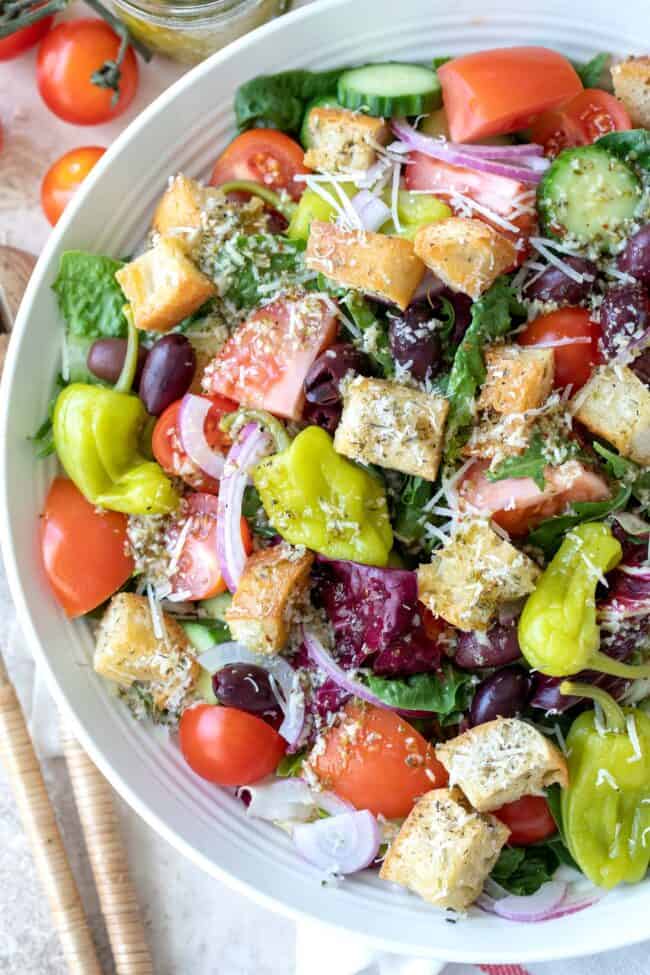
{"x":323,"y":101}
{"x":215,"y":608}
{"x":390,"y":89}
{"x":589,"y":196}
{"x":203,"y":637}
{"x":204,"y":687}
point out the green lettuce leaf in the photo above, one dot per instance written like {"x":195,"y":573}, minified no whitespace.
{"x":630,"y":146}
{"x":491,"y":319}
{"x":591,"y":72}
{"x":522,"y":870}
{"x":90,"y":299}
{"x":529,"y":464}
{"x":291,"y":765}
{"x":447,"y":694}
{"x":627,"y":471}
{"x":549,"y":534}
{"x":278,"y":101}
{"x":251,"y":269}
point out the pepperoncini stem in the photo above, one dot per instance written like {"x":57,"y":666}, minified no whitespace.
{"x":613,"y":713}
{"x":284,"y":206}
{"x":127,"y":375}
{"x":616,"y":668}
{"x":233,"y":423}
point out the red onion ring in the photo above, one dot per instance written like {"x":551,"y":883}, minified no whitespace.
{"x":539,"y":906}
{"x":528,"y":168}
{"x":251,"y":445}
{"x":340,"y":844}
{"x":191,"y":423}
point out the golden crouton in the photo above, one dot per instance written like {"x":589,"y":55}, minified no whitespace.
{"x":163,"y":286}
{"x":393,"y":426}
{"x":445,"y":850}
{"x":497,"y":437}
{"x":632,"y":85}
{"x":467,"y":254}
{"x":127,"y":650}
{"x":273,"y":581}
{"x":518,"y":379}
{"x":501,"y":761}
{"x":615,"y":405}
{"x":344,"y":141}
{"x":179,"y":208}
{"x":376,"y":263}
{"x":473,"y":574}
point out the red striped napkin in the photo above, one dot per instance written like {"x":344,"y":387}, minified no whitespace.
{"x":503,"y":970}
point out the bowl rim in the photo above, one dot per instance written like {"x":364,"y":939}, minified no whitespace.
{"x":609,"y":937}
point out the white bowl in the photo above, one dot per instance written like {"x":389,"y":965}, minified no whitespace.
{"x":184,"y":130}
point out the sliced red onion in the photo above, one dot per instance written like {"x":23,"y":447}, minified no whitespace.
{"x":340,"y":844}
{"x":319,"y":655}
{"x":500,"y":152}
{"x":191,"y":431}
{"x":330,"y":803}
{"x":371,"y":210}
{"x":251,"y":445}
{"x":288,"y":681}
{"x":274,"y":799}
{"x":527,"y":169}
{"x":540,"y":906}
{"x":324,"y":660}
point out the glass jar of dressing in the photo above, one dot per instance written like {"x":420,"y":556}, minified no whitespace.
{"x":191,"y":30}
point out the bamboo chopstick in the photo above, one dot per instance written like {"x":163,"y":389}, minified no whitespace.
{"x":108,"y":860}
{"x":37,"y":814}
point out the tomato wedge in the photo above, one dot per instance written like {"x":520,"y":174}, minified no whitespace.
{"x":580,"y":122}
{"x":264,"y":363}
{"x":198,"y":573}
{"x":84,"y":550}
{"x":502,"y":90}
{"x":228,"y":746}
{"x":504,"y":197}
{"x":167,"y":449}
{"x":263,"y":156}
{"x":378,"y":761}
{"x":517,"y":504}
{"x":574,"y":338}
{"x":529,"y":820}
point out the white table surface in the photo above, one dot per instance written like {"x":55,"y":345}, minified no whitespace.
{"x":197,"y":926}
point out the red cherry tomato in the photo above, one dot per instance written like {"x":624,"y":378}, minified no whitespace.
{"x":167,"y":450}
{"x":67,"y":59}
{"x":198,"y":573}
{"x":23,"y":40}
{"x":529,"y":820}
{"x":377,"y":761}
{"x":64,"y":177}
{"x":581,"y":121}
{"x":228,"y":746}
{"x":263,"y":156}
{"x":574,"y":337}
{"x":84,"y":550}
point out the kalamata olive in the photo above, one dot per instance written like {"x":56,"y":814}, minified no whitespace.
{"x":167,"y":373}
{"x":623,"y":317}
{"x":324,"y":416}
{"x":554,"y":285}
{"x":462,"y":305}
{"x":244,"y":686}
{"x":415,"y":340}
{"x":501,"y":695}
{"x":323,"y":381}
{"x":106,"y":358}
{"x":634,"y":259}
{"x":492,"y":649}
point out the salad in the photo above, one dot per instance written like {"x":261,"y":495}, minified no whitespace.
{"x":355,"y":464}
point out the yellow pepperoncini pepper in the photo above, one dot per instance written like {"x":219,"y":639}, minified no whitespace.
{"x":606,"y":806}
{"x":558,"y":630}
{"x":314,"y":497}
{"x":96,"y":435}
